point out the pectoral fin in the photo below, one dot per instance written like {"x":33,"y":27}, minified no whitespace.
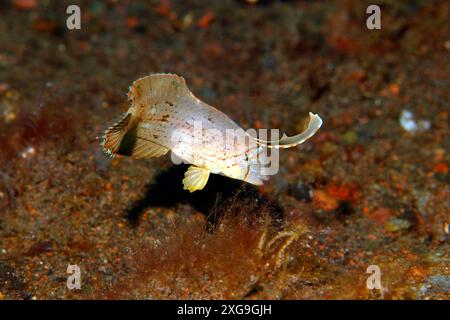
{"x":286,"y":142}
{"x":195,"y":178}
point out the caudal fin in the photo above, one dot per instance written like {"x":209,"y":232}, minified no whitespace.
{"x":123,"y":140}
{"x":113,"y":135}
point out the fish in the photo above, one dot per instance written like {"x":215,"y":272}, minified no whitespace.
{"x":164,"y":115}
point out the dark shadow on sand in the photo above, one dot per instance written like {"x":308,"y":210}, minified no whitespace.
{"x":166,"y":190}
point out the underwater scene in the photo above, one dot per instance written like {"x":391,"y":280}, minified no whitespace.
{"x":229,"y":149}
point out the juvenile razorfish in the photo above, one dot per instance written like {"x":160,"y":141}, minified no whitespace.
{"x":164,"y":115}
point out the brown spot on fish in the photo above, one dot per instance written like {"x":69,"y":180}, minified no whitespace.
{"x":165,"y":118}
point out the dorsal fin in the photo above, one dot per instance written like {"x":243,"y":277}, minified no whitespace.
{"x":157,"y":86}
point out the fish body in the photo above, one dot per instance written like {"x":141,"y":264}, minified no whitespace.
{"x":164,"y":115}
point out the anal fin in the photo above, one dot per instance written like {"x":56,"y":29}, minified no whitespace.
{"x":140,"y":148}
{"x":144,"y":149}
{"x":195,"y":178}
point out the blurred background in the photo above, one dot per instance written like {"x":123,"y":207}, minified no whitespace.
{"x":371,"y":188}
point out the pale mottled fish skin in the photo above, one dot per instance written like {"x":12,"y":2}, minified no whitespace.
{"x":162,"y":107}
{"x":162,"y":103}
{"x":167,"y":105}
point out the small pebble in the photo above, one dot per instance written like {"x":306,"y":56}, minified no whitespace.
{"x":409,"y":124}
{"x":324,"y":201}
{"x":350,"y":137}
{"x":396,"y":224}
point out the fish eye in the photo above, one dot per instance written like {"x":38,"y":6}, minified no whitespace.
{"x":246,"y":157}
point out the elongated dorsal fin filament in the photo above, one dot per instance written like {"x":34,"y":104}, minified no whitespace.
{"x":315,"y":122}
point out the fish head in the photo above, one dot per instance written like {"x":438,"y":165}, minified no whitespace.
{"x":250,"y":166}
